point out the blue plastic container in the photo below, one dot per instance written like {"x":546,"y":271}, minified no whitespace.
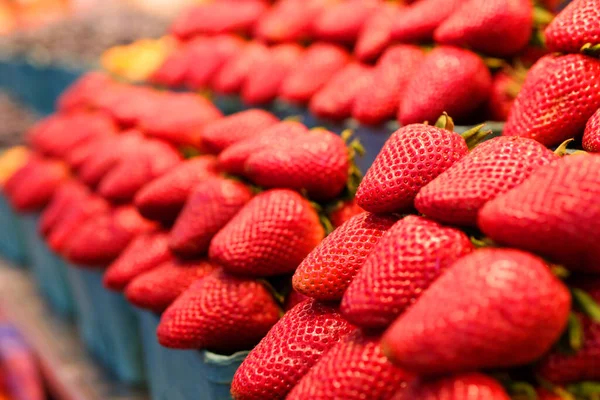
{"x":108,"y":325}
{"x":12,"y":242}
{"x":185,"y":374}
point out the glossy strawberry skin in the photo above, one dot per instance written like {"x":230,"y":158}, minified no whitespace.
{"x":135,"y":104}
{"x":539,"y":215}
{"x":294,"y":344}
{"x":79,"y":94}
{"x":352,"y":369}
{"x":404,"y":166}
{"x":591,"y":136}
{"x":290,"y":229}
{"x":471,"y":386}
{"x":157,"y":289}
{"x":221,"y":313}
{"x":163,"y":198}
{"x":288,"y":20}
{"x":418,"y":21}
{"x":451,"y":80}
{"x":482,"y":313}
{"x":232,"y":77}
{"x":65,"y":197}
{"x":172,"y":72}
{"x":575,"y":26}
{"x":328,"y":270}
{"x":211,"y":205}
{"x":562,"y":86}
{"x":342,"y":22}
{"x":376,"y":34}
{"x":492,"y":168}
{"x":409,"y":257}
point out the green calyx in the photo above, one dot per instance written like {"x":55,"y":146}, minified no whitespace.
{"x":475,"y":136}
{"x":323,"y":218}
{"x":189,"y":152}
{"x":482,"y":242}
{"x":586,"y":304}
{"x":521,"y":390}
{"x":445,"y":122}
{"x":541,"y":16}
{"x":561,"y":150}
{"x":355,"y":175}
{"x":585,"y":390}
{"x":592,"y":50}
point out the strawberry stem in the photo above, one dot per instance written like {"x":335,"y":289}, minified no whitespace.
{"x":475,"y":135}
{"x":575,"y":332}
{"x":482,"y":242}
{"x":445,"y":122}
{"x":586,"y":304}
{"x":561,"y":150}
{"x":280,"y":298}
{"x":592,"y":50}
{"x":559,"y":271}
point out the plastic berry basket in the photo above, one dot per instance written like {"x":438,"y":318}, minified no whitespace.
{"x":12,"y":242}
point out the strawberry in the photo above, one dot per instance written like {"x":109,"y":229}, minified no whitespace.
{"x":173,"y":70}
{"x":288,"y":20}
{"x":418,"y":21}
{"x":543,"y":394}
{"x":499,"y":28}
{"x":471,"y":386}
{"x":266,"y":75}
{"x":233,"y":159}
{"x":221,"y":313}
{"x":158,"y":288}
{"x":343,"y":21}
{"x":231,"y":78}
{"x":505,"y":89}
{"x":144,"y":253}
{"x":353,"y":369}
{"x":492,"y":168}
{"x":328,"y":270}
{"x":562,"y":87}
{"x":316,"y":162}
{"x":220,"y":134}
{"x":376,"y":33}
{"x":591,"y":136}
{"x":316,"y":67}
{"x":163,"y":198}
{"x":399,"y":268}
{"x":64,"y":197}
{"x":343,"y":211}
{"x":288,"y":351}
{"x":336,"y":98}
{"x":138,"y":102}
{"x":79,"y":94}
{"x":430,"y":92}
{"x":289,"y":230}
{"x":292,"y":299}
{"x":574,"y":27}
{"x":539,"y":215}
{"x":211,"y":205}
{"x":482,"y":313}
{"x":380,"y":100}
{"x":77,"y":157}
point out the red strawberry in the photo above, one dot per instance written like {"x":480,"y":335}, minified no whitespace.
{"x":220,"y":134}
{"x":271,"y":235}
{"x":293,"y":299}
{"x":556,"y":100}
{"x":163,"y":198}
{"x":221,"y":313}
{"x":505,"y":89}
{"x":376,"y":34}
{"x":316,"y":162}
{"x":492,"y":168}
{"x":328,"y":270}
{"x":233,"y":159}
{"x":574,"y":27}
{"x":400,"y":267}
{"x":64,"y":197}
{"x":353,"y":369}
{"x":482,"y":313}
{"x":158,"y":288}
{"x":316,"y":67}
{"x":289,"y":20}
{"x":473,"y":386}
{"x":79,"y":94}
{"x":449,"y":80}
{"x":343,"y":21}
{"x":173,"y":71}
{"x":336,"y":99}
{"x":499,"y":28}
{"x":266,"y":75}
{"x":211,"y":205}
{"x":541,"y":213}
{"x":232,"y":76}
{"x":144,"y":253}
{"x":82,"y":154}
{"x":591,"y":136}
{"x":418,"y":21}
{"x":135,"y":105}
{"x":379,"y":101}
{"x":343,"y":212}
{"x":287,"y":353}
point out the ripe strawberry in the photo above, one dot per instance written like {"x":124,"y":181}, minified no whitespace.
{"x":336,"y":98}
{"x":288,"y":351}
{"x":499,"y":28}
{"x":158,"y":288}
{"x":173,"y":70}
{"x":220,"y":134}
{"x":266,"y":76}
{"x":471,"y":386}
{"x":418,"y":21}
{"x":449,"y":80}
{"x":574,"y":27}
{"x":376,"y":33}
{"x":505,"y":89}
{"x":343,"y":212}
{"x":289,"y":230}
{"x":144,"y":253}
{"x":343,"y":21}
{"x":231,"y":78}
{"x":539,"y":215}
{"x":82,"y":154}
{"x":562,"y":87}
{"x":293,"y":299}
{"x":288,"y":20}
{"x":221,"y":313}
{"x":316,"y":162}
{"x":316,"y":67}
{"x":492,"y":168}
{"x":136,"y":103}
{"x":353,"y":369}
{"x":591,"y":136}
{"x":482,"y":313}
{"x":211,"y":205}
{"x":400,"y":267}
{"x":380,"y":100}
{"x":79,"y":94}
{"x":328,"y":270}
{"x":163,"y":198}
{"x":64,"y":197}
{"x":233,"y":159}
